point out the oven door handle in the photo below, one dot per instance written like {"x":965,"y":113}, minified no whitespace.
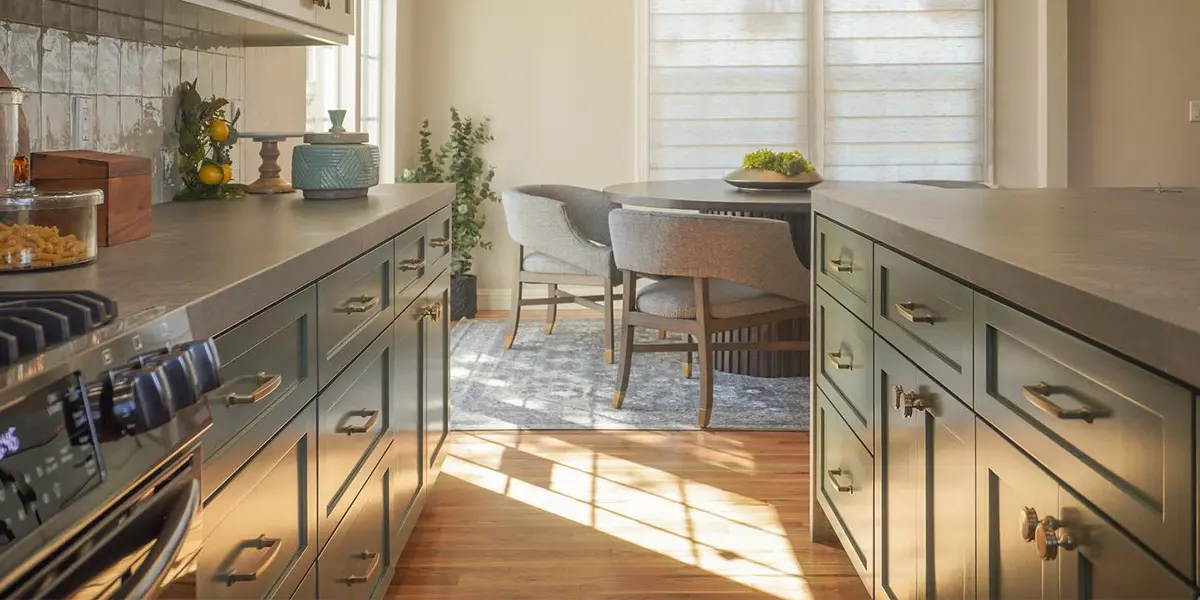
{"x":150,"y":575}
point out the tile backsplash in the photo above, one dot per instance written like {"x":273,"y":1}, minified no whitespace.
{"x":129,"y":57}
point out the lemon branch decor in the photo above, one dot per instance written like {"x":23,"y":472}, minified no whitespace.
{"x":788,"y":164}
{"x":206,"y":136}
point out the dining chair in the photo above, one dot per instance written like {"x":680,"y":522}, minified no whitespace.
{"x":717,"y":273}
{"x":563,"y":235}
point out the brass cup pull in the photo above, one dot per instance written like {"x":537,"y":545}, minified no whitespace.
{"x":1050,"y":536}
{"x":439,"y":243}
{"x":839,"y":265}
{"x":372,"y":418}
{"x":262,"y":542}
{"x":1039,"y":396}
{"x":350,"y":580}
{"x":908,"y":311}
{"x":360,"y":304}
{"x":267,"y":384}
{"x":1029,"y":523}
{"x":844,"y":488}
{"x":907,"y":401}
{"x":412,"y":264}
{"x":835,"y":359}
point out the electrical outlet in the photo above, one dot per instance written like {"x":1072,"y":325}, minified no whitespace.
{"x":82,"y":113}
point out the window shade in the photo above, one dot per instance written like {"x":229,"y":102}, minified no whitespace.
{"x":726,"y":77}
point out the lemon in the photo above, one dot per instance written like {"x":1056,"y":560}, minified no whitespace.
{"x":227,"y":172}
{"x":218,"y":131}
{"x":211,"y":174}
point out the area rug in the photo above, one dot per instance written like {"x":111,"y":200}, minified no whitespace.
{"x":560,"y":381}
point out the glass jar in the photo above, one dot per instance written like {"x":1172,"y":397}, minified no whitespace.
{"x":46,"y":230}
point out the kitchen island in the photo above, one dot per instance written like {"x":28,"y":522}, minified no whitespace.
{"x":328,"y":318}
{"x":1005,"y":390}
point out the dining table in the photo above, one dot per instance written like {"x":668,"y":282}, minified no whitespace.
{"x":715,"y":196}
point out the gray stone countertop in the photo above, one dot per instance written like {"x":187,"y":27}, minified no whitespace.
{"x":226,"y":260}
{"x":1120,"y":265}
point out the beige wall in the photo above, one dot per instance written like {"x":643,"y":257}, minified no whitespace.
{"x":555,"y":76}
{"x":1134,"y":65}
{"x":275,"y":98}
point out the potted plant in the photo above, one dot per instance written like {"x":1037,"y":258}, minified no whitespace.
{"x":457,"y":161}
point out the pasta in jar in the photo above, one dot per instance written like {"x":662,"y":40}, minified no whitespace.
{"x":28,"y":246}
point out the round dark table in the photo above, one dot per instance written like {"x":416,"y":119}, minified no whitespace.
{"x":714,"y":196}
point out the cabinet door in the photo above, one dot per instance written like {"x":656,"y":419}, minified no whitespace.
{"x":436,"y":328}
{"x":901,"y":478}
{"x":301,"y":10}
{"x":339,"y":15}
{"x":1011,"y":494}
{"x":408,"y":407}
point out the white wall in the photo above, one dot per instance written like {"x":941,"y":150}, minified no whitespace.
{"x":557,"y":79}
{"x":275,"y":98}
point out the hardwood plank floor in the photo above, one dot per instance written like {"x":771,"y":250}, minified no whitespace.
{"x":621,"y":515}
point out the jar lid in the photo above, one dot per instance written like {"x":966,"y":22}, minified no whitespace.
{"x":41,"y":200}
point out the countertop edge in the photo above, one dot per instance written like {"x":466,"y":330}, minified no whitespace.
{"x":1157,"y":344}
{"x":219,"y":311}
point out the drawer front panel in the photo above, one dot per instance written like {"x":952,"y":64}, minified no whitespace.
{"x":845,"y":363}
{"x":411,"y":266}
{"x":843,"y":264}
{"x":927,"y":316}
{"x":354,"y":561}
{"x":355,"y":426}
{"x":438,"y":238}
{"x":846,"y":479}
{"x":354,"y":304}
{"x":269,"y":365}
{"x":1117,"y":434}
{"x":262,"y":527}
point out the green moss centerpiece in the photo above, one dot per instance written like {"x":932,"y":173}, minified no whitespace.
{"x":769,"y":170}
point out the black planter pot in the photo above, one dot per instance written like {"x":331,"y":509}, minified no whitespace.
{"x":463,"y":300}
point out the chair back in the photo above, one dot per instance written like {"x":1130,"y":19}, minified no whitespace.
{"x":586,"y":209}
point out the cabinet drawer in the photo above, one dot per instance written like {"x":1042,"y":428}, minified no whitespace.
{"x":846,"y":474}
{"x":410,"y":264}
{"x":438,"y":238}
{"x":1117,"y":434}
{"x":358,"y":555}
{"x":844,"y":361}
{"x":843,"y":265}
{"x":926,"y":316}
{"x":262,"y":527}
{"x":269,"y":365}
{"x":355,"y":423}
{"x":354,"y":304}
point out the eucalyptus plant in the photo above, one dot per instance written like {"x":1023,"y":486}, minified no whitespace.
{"x":457,"y":161}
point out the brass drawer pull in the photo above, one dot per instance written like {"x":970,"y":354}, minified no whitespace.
{"x":433,"y":311}
{"x":1050,"y":536}
{"x":835,"y":359}
{"x":439,"y":243}
{"x":412,"y":264}
{"x":267,"y":384}
{"x":364,"y":555}
{"x":1029,"y":523}
{"x":360,"y":304}
{"x":906,"y":310}
{"x":262,"y":542}
{"x":372,"y":418}
{"x":1039,"y":396}
{"x":841,"y":266}
{"x":908,"y":401}
{"x":844,"y":488}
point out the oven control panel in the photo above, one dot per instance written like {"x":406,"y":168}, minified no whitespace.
{"x":48,"y":456}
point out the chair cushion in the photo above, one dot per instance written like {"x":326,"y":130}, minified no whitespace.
{"x":675,"y":298}
{"x":538,"y":262}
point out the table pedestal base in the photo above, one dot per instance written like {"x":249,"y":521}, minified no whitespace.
{"x":760,"y":363}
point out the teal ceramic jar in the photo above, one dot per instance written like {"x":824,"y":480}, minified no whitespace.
{"x":335,"y":165}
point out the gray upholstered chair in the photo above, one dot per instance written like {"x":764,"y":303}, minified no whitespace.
{"x":721,"y":273}
{"x":563,"y":234}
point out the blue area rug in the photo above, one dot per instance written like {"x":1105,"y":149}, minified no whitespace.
{"x":560,"y":381}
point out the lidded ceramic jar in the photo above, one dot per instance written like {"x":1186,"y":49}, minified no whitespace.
{"x":335,"y":165}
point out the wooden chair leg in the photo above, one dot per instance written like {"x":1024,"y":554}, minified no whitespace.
{"x":662,"y":334}
{"x":706,"y":379}
{"x":687,"y":361}
{"x":551,"y":309}
{"x":627,"y":332}
{"x":514,"y":315}
{"x":608,"y":321}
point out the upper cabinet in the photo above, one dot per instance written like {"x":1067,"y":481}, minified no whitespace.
{"x":289,"y":22}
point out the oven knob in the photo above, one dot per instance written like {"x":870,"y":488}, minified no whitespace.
{"x":205,"y":363}
{"x":138,"y":400}
{"x":181,"y":378}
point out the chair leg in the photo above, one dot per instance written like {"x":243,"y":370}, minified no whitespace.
{"x":514,"y":315}
{"x":662,"y":334}
{"x":608,"y":321}
{"x":687,"y":361}
{"x":706,"y":379}
{"x":551,"y":309}
{"x":627,"y":332}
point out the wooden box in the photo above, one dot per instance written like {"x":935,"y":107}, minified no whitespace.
{"x":124,"y":179}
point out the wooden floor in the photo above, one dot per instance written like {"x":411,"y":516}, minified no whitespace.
{"x":621,"y":515}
